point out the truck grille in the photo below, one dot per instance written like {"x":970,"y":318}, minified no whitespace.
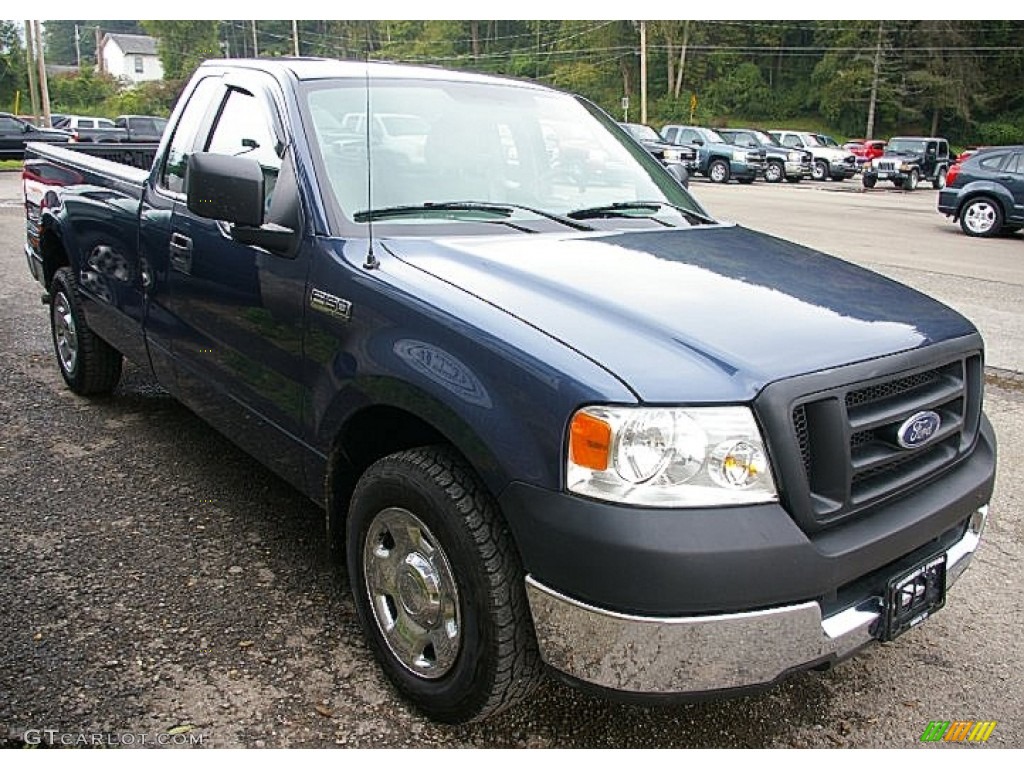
{"x":886,"y":165}
{"x":846,"y":437}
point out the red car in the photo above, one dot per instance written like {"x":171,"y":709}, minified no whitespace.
{"x":865,"y":150}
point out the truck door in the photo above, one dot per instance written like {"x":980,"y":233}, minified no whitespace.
{"x":237,"y":309}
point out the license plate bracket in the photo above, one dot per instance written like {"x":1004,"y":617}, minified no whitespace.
{"x":913,"y":596}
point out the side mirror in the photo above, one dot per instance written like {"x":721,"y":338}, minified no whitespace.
{"x":225,"y":188}
{"x":26,"y":127}
{"x":680,"y":174}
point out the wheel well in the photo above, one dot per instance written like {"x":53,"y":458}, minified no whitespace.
{"x":54,"y":255}
{"x":369,"y":435}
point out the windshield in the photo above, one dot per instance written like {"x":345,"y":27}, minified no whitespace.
{"x":713,"y":136}
{"x":907,"y":146}
{"x":641,"y":132}
{"x":826,"y":140}
{"x":523,"y":156}
{"x":766,"y":139}
{"x":811,"y":140}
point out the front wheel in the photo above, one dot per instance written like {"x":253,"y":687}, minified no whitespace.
{"x":820,"y":170}
{"x":439,"y":587}
{"x":719,"y":171}
{"x":910,"y":182}
{"x":774,"y":173}
{"x":868,"y":182}
{"x":981,"y":217}
{"x":87,"y":363}
{"x":939,"y":182}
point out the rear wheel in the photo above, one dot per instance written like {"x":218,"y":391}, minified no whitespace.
{"x":438,"y":586}
{"x":88,"y":364}
{"x":981,"y":217}
{"x":719,"y":171}
{"x":774,"y":172}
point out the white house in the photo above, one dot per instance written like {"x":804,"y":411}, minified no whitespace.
{"x":131,"y":57}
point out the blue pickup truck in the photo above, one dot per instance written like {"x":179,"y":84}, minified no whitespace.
{"x":557,"y":416}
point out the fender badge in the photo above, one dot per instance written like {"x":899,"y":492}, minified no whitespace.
{"x":330,"y":304}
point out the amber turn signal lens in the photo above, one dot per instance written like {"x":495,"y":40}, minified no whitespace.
{"x":590,"y":441}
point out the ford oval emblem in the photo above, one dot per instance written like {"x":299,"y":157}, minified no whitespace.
{"x":919,"y":429}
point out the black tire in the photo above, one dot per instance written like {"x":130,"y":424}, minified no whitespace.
{"x":868,"y":182}
{"x":910,"y":182}
{"x":981,"y":217}
{"x":719,"y":171}
{"x":939,"y":182}
{"x":774,"y":172}
{"x":495,"y":663}
{"x":89,"y":365}
{"x":819,"y":172}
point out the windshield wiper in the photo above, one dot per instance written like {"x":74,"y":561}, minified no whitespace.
{"x":497,"y":209}
{"x":621,"y":209}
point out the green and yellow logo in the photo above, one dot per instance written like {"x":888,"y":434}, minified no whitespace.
{"x":958,"y":730}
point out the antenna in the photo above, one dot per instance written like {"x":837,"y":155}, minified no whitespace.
{"x":371,"y":259}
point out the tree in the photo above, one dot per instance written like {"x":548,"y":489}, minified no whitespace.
{"x":12,"y":64}
{"x":59,"y":38}
{"x":184,"y":45}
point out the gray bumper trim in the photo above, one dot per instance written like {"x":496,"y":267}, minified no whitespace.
{"x":642,"y":654}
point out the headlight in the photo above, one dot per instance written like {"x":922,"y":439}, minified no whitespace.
{"x":795,"y":157}
{"x":673,"y":155}
{"x":739,"y":155}
{"x":906,"y":167}
{"x":669,"y":457}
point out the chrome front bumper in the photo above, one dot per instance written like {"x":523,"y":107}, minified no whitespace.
{"x":658,"y":655}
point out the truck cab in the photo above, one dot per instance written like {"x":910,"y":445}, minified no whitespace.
{"x":717,"y":159}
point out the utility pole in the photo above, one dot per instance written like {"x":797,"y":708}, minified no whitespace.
{"x":255,"y":42}
{"x":44,"y":91}
{"x":99,"y":49}
{"x":643,"y":72}
{"x":869,"y":131}
{"x":78,"y":49}
{"x":30,"y":57}
{"x":295,"y":35}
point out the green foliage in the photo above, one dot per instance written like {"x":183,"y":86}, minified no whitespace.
{"x":82,"y":94}
{"x":997,"y":132}
{"x":184,"y":45}
{"x":12,"y":66}
{"x":741,"y":89}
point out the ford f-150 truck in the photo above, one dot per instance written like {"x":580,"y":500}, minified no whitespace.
{"x":557,"y":416}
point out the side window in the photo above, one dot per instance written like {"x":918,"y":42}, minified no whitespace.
{"x":173,"y":176}
{"x":792,"y":140}
{"x":688,"y":137}
{"x":1015,"y":164}
{"x":243,"y":129}
{"x":9,"y":125}
{"x":992,"y":163}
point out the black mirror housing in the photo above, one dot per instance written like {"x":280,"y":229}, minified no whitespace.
{"x":225,"y":188}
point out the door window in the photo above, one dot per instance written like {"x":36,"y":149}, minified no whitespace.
{"x":791,"y":140}
{"x":243,"y":130}
{"x":173,"y":176}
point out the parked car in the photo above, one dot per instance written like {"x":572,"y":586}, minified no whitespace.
{"x":833,"y":162}
{"x":717,"y":158}
{"x":780,"y":162}
{"x":669,"y":154}
{"x":865,"y":150}
{"x":985,"y":193}
{"x":570,"y":425}
{"x":142,"y":129}
{"x":94,"y":130}
{"x":909,"y":160}
{"x":15,"y":133}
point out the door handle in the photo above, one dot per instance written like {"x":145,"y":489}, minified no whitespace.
{"x":181,"y":253}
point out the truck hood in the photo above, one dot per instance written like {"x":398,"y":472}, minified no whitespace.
{"x":707,"y":314}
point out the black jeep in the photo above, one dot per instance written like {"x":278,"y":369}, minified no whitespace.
{"x":909,"y":159}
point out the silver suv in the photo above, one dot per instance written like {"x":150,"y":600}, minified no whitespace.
{"x":829,"y":162}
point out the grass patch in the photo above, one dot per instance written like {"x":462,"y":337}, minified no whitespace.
{"x":10,"y":165}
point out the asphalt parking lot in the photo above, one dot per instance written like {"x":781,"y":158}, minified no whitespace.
{"x":158,"y":582}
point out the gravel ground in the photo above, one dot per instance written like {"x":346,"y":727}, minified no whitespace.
{"x":157,"y":582}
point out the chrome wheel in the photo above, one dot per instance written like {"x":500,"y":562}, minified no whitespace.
{"x":65,"y":335}
{"x":719,"y":172}
{"x":980,"y":217}
{"x":412,"y":592}
{"x":773,"y":173}
{"x":820,"y":171}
